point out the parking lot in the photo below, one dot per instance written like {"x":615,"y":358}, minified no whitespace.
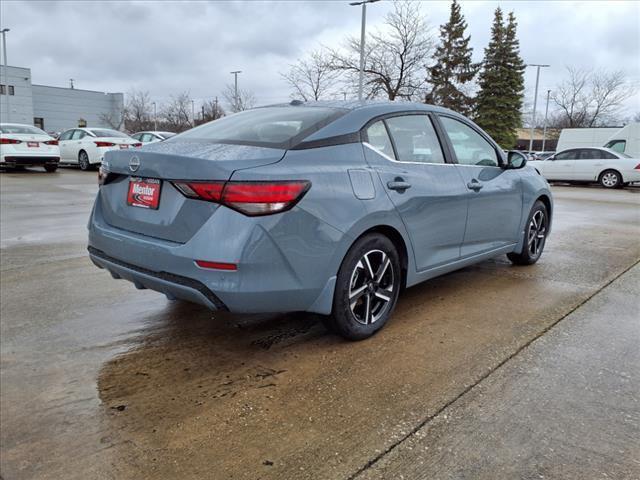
{"x":475,"y":376}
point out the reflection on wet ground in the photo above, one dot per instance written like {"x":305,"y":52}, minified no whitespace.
{"x":100,"y":380}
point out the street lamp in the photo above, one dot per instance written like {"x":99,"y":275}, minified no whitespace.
{"x":235,"y":94}
{"x":535,"y":101}
{"x":6,"y":70}
{"x":544,"y":128}
{"x":155,"y":116}
{"x":362,"y":38}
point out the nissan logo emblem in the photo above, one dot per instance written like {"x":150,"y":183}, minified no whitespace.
{"x":134,"y":163}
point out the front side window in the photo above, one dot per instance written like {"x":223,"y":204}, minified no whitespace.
{"x":274,"y":127}
{"x":617,"y":145}
{"x":469,"y":146}
{"x":568,"y":155}
{"x":379,"y":139}
{"x":415,"y":139}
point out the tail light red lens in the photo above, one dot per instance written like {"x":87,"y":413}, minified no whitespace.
{"x":637,"y":167}
{"x":249,"y":198}
{"x":51,"y":142}
{"x":105,"y":144}
{"x":137,"y":144}
{"x":10,"y":141}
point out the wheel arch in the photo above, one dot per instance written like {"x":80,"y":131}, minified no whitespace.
{"x":609,"y":169}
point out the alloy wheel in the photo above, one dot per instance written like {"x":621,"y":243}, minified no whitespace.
{"x":537,"y":233}
{"x":610,"y":179}
{"x":371,"y":289}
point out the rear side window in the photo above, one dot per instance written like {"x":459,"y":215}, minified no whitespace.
{"x":415,"y":139}
{"x":66,"y":135}
{"x":275,"y":127}
{"x":78,"y":134}
{"x":379,"y":139}
{"x":469,"y":146}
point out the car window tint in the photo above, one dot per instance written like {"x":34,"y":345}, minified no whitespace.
{"x":66,"y":135}
{"x":77,"y":135}
{"x":379,"y":139}
{"x":607,"y":155}
{"x":148,"y":137}
{"x":470,"y":147}
{"x":568,"y":155}
{"x":589,"y":154}
{"x":415,"y":139}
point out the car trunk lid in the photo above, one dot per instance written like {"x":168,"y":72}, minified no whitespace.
{"x":177,"y":218}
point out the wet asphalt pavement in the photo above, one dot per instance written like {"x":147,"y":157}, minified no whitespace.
{"x":493,"y":371}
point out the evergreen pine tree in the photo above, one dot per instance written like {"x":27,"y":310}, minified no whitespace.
{"x":501,"y":80}
{"x":453,"y":66}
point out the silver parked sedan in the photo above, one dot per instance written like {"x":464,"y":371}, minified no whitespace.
{"x":322,"y":207}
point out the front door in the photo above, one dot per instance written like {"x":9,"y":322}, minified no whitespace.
{"x":494,"y":194}
{"x":426,"y":191}
{"x":560,"y":166}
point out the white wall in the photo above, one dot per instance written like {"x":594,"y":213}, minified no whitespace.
{"x":20,"y":104}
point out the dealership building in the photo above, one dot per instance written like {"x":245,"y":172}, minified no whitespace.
{"x":55,"y":109}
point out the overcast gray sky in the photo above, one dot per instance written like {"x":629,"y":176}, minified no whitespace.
{"x":167,"y":47}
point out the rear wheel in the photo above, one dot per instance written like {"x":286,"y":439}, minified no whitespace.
{"x":610,"y":179}
{"x":535,"y":236}
{"x":83,"y":161}
{"x":367,"y":288}
{"x":51,"y":168}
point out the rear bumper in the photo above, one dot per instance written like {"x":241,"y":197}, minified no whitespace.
{"x":173,"y":286}
{"x":28,"y":160}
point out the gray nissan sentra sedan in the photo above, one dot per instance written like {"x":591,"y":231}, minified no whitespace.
{"x":330,"y":208}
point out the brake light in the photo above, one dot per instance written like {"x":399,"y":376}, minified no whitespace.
{"x":249,"y":198}
{"x":105,"y":144}
{"x":9,"y":141}
{"x":637,"y":167}
{"x":137,"y":144}
{"x":231,"y":267}
{"x":51,"y":142}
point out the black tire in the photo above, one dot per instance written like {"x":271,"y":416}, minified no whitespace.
{"x":610,"y":179}
{"x":83,"y":161}
{"x":50,"y":168}
{"x":535,"y":236}
{"x":375,"y":295}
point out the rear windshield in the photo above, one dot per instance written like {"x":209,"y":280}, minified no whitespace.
{"x":105,"y":132}
{"x":21,"y":129}
{"x":275,"y":127}
{"x":166,"y":134}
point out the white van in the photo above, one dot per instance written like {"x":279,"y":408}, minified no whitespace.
{"x":626,"y":140}
{"x":584,"y":137}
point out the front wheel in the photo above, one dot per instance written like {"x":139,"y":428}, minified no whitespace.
{"x":610,"y":179}
{"x":83,"y":161}
{"x":367,"y":288}
{"x":535,"y":236}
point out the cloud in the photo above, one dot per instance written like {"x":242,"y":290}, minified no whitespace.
{"x":167,"y":47}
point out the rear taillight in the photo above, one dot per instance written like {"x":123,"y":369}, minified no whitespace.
{"x":105,"y":144}
{"x":51,"y":142}
{"x":11,"y":141}
{"x":250,"y":198}
{"x":637,"y":167}
{"x":137,"y":145}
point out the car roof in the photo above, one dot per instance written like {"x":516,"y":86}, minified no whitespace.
{"x":18,"y":125}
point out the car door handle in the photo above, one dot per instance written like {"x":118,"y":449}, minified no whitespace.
{"x":399,"y":185}
{"x":474,"y":185}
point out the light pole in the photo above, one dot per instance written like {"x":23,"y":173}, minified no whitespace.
{"x":535,"y":101}
{"x":362,"y":39}
{"x":235,"y":91}
{"x":6,"y":70}
{"x":155,"y":117}
{"x":544,"y":128}
{"x":193,"y":112}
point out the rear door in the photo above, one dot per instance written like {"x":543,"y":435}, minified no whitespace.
{"x":426,"y":190}
{"x":494,"y":193}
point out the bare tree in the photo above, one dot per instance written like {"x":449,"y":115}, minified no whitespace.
{"x":395,"y":57}
{"x":245,"y":100}
{"x":312,"y":78}
{"x":176,"y":113}
{"x":590,"y":98}
{"x":212,"y":110}
{"x":138,"y":111}
{"x":113,"y":119}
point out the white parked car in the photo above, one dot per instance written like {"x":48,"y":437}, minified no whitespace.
{"x":609,"y":168}
{"x":152,"y":136}
{"x":86,"y":146}
{"x":27,"y":146}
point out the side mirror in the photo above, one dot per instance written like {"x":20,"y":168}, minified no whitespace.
{"x":516,"y":159}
